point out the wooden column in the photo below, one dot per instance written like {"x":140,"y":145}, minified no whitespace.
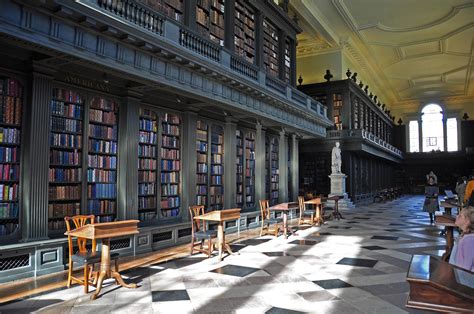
{"x":283,"y":167}
{"x":127,"y":188}
{"x":294,"y":168}
{"x":189,"y":161}
{"x":230,"y":166}
{"x":259,"y":40}
{"x":229,"y":21}
{"x":34,"y":214}
{"x":259,"y":162}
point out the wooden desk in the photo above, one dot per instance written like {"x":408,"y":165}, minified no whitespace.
{"x":448,"y":205}
{"x":317,"y":203}
{"x":439,"y":286}
{"x":448,"y":222}
{"x":285,"y":208}
{"x":336,"y":214}
{"x":105,"y":231}
{"x":220,"y":216}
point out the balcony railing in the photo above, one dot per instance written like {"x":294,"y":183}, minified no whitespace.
{"x":367,"y":137}
{"x":133,"y":13}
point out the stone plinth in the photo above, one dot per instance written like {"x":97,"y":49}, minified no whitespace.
{"x":338,"y":187}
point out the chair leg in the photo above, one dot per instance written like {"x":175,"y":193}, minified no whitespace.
{"x":209,"y":248}
{"x":192,"y":246}
{"x":116,"y":267}
{"x":261,"y":230}
{"x":69,"y":274}
{"x":86,"y":279}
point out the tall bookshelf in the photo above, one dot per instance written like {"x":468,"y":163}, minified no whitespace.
{"x":11,"y":102}
{"x":239,"y":198}
{"x":202,"y":148}
{"x":170,"y":162}
{"x":244,"y":31}
{"x":270,"y":48}
{"x":147,"y":165}
{"x":287,"y":61}
{"x":337,"y":110}
{"x":102,"y":159}
{"x":217,"y":168}
{"x":356,"y":115}
{"x":250,"y":169}
{"x":173,"y":9}
{"x":274,"y":171}
{"x":65,"y":157}
{"x":210,"y":19}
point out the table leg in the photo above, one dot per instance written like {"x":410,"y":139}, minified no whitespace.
{"x":449,"y":243}
{"x":220,"y":238}
{"x":285,"y":225}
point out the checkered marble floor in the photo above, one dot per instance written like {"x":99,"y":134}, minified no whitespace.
{"x":354,"y":265}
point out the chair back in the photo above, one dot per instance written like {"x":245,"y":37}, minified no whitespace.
{"x":79,"y":221}
{"x":301,"y":205}
{"x":197,"y":224}
{"x":264,"y":211}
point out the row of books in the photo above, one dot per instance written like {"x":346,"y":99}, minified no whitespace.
{"x":58,"y":157}
{"x":99,"y":175}
{"x":170,"y":212}
{"x":9,"y":210}
{"x":170,"y":177}
{"x":216,"y":159}
{"x":170,"y":202}
{"x":59,"y":124}
{"x":67,"y":110}
{"x":201,"y":168}
{"x":9,"y":135}
{"x":9,"y":154}
{"x":170,"y":129}
{"x":146,"y":176}
{"x":170,"y":141}
{"x":171,"y":118}
{"x":201,"y":135}
{"x":102,"y":190}
{"x":109,"y":162}
{"x":146,"y":189}
{"x":201,"y":200}
{"x":9,"y":192}
{"x":97,"y":207}
{"x":217,"y":169}
{"x":201,"y":189}
{"x":166,"y":153}
{"x":147,"y":151}
{"x":10,"y":110}
{"x":169,"y":189}
{"x":56,"y":210}
{"x":217,"y":138}
{"x":202,"y":157}
{"x":201,"y":147}
{"x":67,"y":95}
{"x":170,"y":165}
{"x":146,"y":202}
{"x":64,"y":175}
{"x":107,"y":117}
{"x":103,"y":103}
{"x":147,"y":137}
{"x":147,"y":164}
{"x":64,"y":192}
{"x":11,"y":87}
{"x":217,"y":180}
{"x":216,"y":149}
{"x":102,"y":146}
{"x":147,"y":215}
{"x":65,"y":140}
{"x":201,"y":179}
{"x":9,"y":172}
{"x":216,"y":190}
{"x":103,"y":132}
{"x":148,"y":125}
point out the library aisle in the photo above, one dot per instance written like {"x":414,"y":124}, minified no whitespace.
{"x":354,"y":265}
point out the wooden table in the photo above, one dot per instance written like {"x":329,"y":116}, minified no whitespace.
{"x":316,"y":202}
{"x":439,"y":286}
{"x":336,"y":214}
{"x":448,"y":205}
{"x":448,"y":222}
{"x":220,"y":216}
{"x":284,"y":208}
{"x":105,"y":231}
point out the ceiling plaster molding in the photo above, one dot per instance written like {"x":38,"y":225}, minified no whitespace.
{"x":454,"y":11}
{"x":314,"y":50}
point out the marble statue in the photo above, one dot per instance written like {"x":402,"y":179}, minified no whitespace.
{"x":336,"y":159}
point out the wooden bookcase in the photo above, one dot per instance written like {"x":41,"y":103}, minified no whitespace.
{"x":274,"y":171}
{"x":270,"y":48}
{"x":102,"y":159}
{"x":239,"y":198}
{"x":65,"y":161}
{"x":202,"y":167}
{"x":170,"y":163}
{"x":244,"y":31}
{"x":173,"y":9}
{"x":217,"y":168}
{"x":210,"y":19}
{"x":147,"y":165}
{"x":11,"y":103}
{"x":337,"y":110}
{"x":287,"y":61}
{"x":250,"y":169}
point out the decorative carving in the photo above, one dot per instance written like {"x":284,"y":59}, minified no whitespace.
{"x":366,"y":89}
{"x":375,"y":99}
{"x":348,"y":73}
{"x":354,"y":77}
{"x":400,"y":121}
{"x":328,"y":76}
{"x":300,"y":80}
{"x":361,"y":84}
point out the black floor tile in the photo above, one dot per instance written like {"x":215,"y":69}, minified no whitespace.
{"x":183,"y":262}
{"x":234,"y":270}
{"x":353,"y":222}
{"x":278,"y":310}
{"x":304,"y":242}
{"x":396,"y":224}
{"x":362,"y":218}
{"x":392,"y":230}
{"x":276,"y":254}
{"x":338,"y":227}
{"x":360,"y":262}
{"x":332,"y":284}
{"x":253,"y":241}
{"x":169,"y":295}
{"x":373,"y":247}
{"x":384,"y":238}
{"x":237,"y":247}
{"x":317,"y":234}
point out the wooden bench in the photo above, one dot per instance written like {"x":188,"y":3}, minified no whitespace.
{"x":439,"y":286}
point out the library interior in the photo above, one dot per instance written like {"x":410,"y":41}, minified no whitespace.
{"x":258,"y":156}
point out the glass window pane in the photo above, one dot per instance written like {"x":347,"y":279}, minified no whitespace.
{"x":414,"y":137}
{"x":432,"y":128}
{"x":452,"y":134}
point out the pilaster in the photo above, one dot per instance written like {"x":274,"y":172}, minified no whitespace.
{"x":188,"y":162}
{"x":259,"y":162}
{"x":230,"y":167}
{"x":294,"y":168}
{"x":283,"y":167}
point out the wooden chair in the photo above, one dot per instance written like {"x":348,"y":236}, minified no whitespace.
{"x":304,"y":213}
{"x":267,"y":221}
{"x":83,"y":256}
{"x":199,"y":233}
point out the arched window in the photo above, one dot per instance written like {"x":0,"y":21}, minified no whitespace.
{"x":433,"y":128}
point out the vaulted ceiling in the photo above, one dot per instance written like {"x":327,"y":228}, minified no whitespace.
{"x":412,"y":52}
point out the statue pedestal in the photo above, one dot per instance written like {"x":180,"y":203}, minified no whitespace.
{"x":338,"y":187}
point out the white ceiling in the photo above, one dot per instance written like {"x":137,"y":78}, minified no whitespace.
{"x":414,"y":50}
